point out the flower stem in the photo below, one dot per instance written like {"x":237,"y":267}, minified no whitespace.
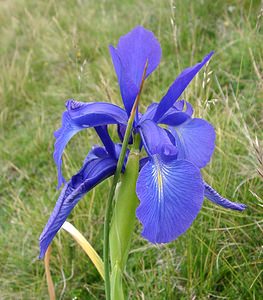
{"x":123,"y":221}
{"x":113,"y":188}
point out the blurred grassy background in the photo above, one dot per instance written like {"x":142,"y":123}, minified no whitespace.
{"x":54,"y":50}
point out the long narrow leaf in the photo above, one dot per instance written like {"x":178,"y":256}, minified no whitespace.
{"x":85,"y":245}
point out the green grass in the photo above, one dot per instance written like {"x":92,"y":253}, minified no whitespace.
{"x":51,"y":51}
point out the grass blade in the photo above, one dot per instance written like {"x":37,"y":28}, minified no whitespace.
{"x":50,"y":284}
{"x":85,"y":245}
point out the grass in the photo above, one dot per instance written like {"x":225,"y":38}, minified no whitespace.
{"x":51,"y":51}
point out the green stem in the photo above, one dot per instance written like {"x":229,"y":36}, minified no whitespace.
{"x":109,"y":208}
{"x":113,"y":188}
{"x":123,"y":221}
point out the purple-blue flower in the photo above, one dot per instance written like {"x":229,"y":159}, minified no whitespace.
{"x":170,"y":185}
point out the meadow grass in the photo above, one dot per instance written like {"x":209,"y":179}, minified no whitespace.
{"x":51,"y":51}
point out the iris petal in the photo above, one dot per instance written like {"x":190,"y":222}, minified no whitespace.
{"x":180,"y":112}
{"x":142,"y":162}
{"x":157,"y":140}
{"x":97,"y":166}
{"x":135,"y":48}
{"x":171,"y":195}
{"x":128,"y":88}
{"x":130,"y":56}
{"x":178,"y":86}
{"x":63,"y":135}
{"x":184,"y":106}
{"x":213,"y":196}
{"x":80,"y":115}
{"x":103,"y":133}
{"x":150,"y":112}
{"x":189,"y":109}
{"x":177,"y":114}
{"x":90,"y":114}
{"x":175,"y":118}
{"x":195,"y":140}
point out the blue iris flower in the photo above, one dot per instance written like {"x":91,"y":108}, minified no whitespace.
{"x":170,"y":185}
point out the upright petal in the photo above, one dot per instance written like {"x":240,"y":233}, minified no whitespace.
{"x":97,"y":166}
{"x":135,"y":48}
{"x":171,"y":195}
{"x":80,"y":115}
{"x":213,"y":196}
{"x":129,"y":90}
{"x":178,"y":86}
{"x":129,"y":59}
{"x":195,"y":140}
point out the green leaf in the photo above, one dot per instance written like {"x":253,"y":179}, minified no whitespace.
{"x":123,"y":219}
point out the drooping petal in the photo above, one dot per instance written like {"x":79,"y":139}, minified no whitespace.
{"x":157,"y":140}
{"x":80,"y":115}
{"x":90,"y":114}
{"x":63,"y":135}
{"x":97,"y":166}
{"x":129,"y":59}
{"x":195,"y":140}
{"x":213,"y":196}
{"x":171,"y":195}
{"x":103,"y":133}
{"x":178,"y":86}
